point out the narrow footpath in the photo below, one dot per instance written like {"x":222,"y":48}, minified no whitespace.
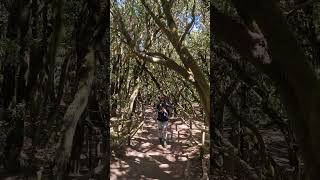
{"x":146,"y":158}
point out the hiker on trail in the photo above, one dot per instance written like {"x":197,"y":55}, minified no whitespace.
{"x":160,"y":101}
{"x":164,"y":101}
{"x":163,"y":119}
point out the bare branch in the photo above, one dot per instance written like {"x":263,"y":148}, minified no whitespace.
{"x":166,"y":6}
{"x":155,"y":18}
{"x":122,"y":28}
{"x":159,"y":58}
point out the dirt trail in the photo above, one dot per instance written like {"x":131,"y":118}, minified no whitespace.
{"x":147,"y":159}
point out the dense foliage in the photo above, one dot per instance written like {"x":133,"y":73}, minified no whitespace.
{"x":54,"y":67}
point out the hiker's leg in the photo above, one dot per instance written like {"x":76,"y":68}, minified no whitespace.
{"x":160,"y":134}
{"x":165,"y":125}
{"x":163,"y":130}
{"x":159,"y":130}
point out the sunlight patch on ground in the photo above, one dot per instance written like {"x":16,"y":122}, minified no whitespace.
{"x":136,"y":154}
{"x":153,"y":153}
{"x":170,"y":158}
{"x":137,"y":160}
{"x":146,"y":178}
{"x":163,"y":166}
{"x":150,"y":126}
{"x":119,"y":163}
{"x":141,"y":138}
{"x":149,"y":111}
{"x":159,"y":146}
{"x":182,"y":159}
{"x":147,"y":144}
{"x":118,"y":172}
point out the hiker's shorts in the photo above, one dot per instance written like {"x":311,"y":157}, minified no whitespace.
{"x":162,"y":127}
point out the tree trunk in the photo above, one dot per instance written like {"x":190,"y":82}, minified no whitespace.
{"x":72,"y":115}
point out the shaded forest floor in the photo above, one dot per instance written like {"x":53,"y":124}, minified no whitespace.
{"x":147,"y":159}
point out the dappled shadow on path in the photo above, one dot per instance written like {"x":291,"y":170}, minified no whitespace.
{"x":147,"y":159}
